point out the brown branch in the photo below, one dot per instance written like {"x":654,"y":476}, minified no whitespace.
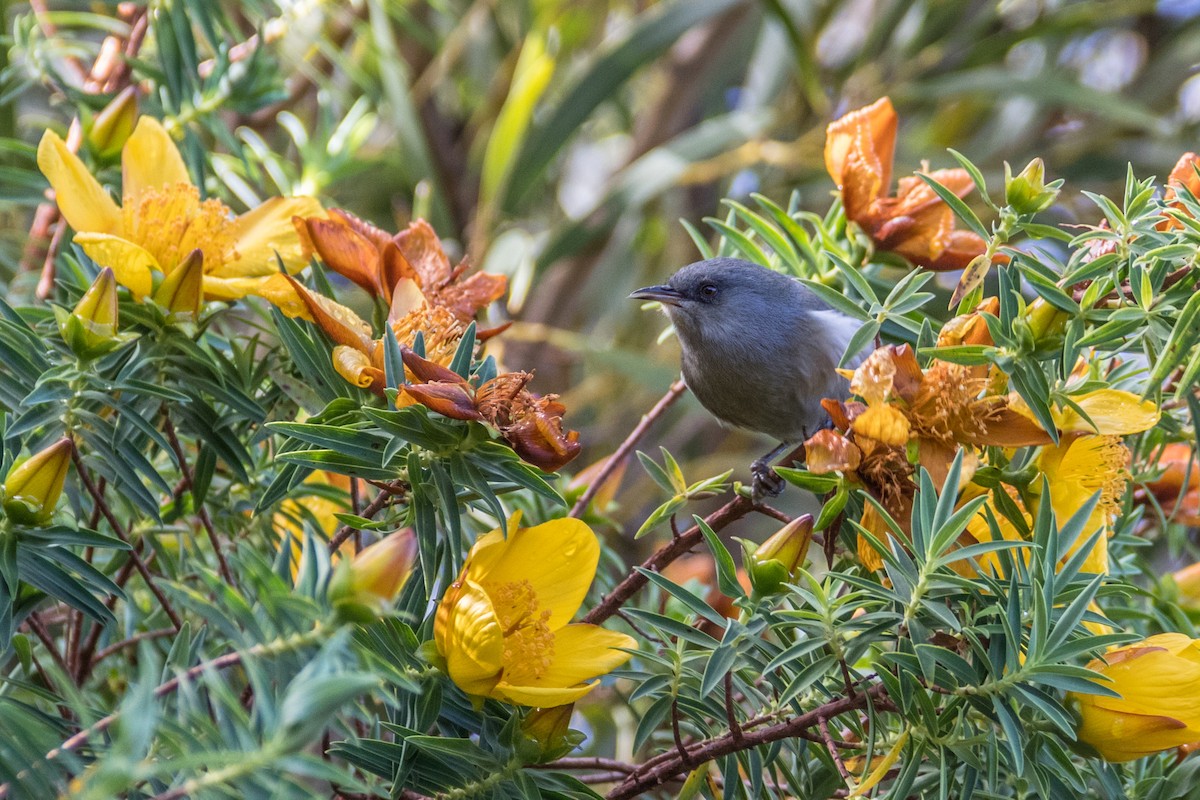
{"x":831,"y":746}
{"x":669,"y":765}
{"x":346,"y":531}
{"x":132,"y":640}
{"x":147,"y":576}
{"x":733,"y":510}
{"x":83,"y":661}
{"x":201,"y":510}
{"x":35,"y":625}
{"x":610,"y":764}
{"x":735,"y":729}
{"x":626,"y":447}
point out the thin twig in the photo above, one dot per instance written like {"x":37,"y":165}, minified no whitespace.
{"x":147,"y":576}
{"x":733,"y":510}
{"x":770,"y":511}
{"x":823,"y":724}
{"x":626,"y":447}
{"x":201,"y":510}
{"x":731,"y":719}
{"x":35,"y":625}
{"x":609,"y":764}
{"x":217,"y":664}
{"x":132,"y":640}
{"x":346,"y":531}
{"x":669,"y":764}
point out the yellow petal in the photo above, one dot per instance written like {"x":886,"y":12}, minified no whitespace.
{"x":355,"y":367}
{"x":130,"y":263}
{"x":263,"y":232}
{"x":150,"y":160}
{"x":1112,"y":411}
{"x":558,"y":558}
{"x":583,"y":652}
{"x":472,"y":642}
{"x":541,"y":696}
{"x":84,"y":203}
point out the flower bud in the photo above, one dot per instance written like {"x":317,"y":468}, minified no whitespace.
{"x":1027,"y":193}
{"x":1045,"y":320}
{"x":548,"y":733}
{"x":182,"y":291}
{"x":32,"y":488}
{"x":91,"y":329}
{"x":372,"y":580}
{"x":778,"y":558}
{"x":1187,"y":580}
{"x":110,"y":129}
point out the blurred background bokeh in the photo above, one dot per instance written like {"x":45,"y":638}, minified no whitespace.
{"x":569,"y":143}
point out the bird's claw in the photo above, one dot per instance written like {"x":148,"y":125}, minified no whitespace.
{"x":766,"y":481}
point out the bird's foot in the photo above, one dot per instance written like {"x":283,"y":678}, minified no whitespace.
{"x":766,"y":481}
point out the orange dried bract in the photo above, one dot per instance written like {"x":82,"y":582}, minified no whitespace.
{"x":1183,"y":176}
{"x":915,"y":223}
{"x":830,"y":451}
{"x":378,"y":262}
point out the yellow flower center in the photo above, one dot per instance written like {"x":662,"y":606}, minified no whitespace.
{"x":172,"y":221}
{"x":528,"y":640}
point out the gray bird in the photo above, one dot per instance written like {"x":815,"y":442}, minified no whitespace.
{"x":760,"y":351}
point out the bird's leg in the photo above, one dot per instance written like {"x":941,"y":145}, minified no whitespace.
{"x":765,"y":481}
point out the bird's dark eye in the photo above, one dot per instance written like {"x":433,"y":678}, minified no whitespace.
{"x":708,"y":291}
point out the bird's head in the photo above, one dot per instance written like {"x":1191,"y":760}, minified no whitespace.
{"x":724,"y":297}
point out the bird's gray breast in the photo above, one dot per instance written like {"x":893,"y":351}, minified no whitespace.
{"x":768,"y":375}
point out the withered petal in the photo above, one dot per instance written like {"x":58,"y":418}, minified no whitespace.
{"x":467,"y":297}
{"x":328,"y":316}
{"x":830,"y":451}
{"x":428,"y":371}
{"x":859,"y":151}
{"x":377,"y":237}
{"x":394,"y":267}
{"x":345,"y":251}
{"x":423,"y":251}
{"x":448,"y":399}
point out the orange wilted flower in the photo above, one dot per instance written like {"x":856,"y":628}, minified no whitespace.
{"x":378,"y":261}
{"x":1183,"y":176}
{"x":915,"y":222}
{"x":1177,"y":490}
{"x":532,"y":425}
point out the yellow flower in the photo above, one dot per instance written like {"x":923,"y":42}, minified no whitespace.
{"x":1159,"y":707}
{"x":162,"y":220}
{"x":502,"y":626}
{"x":1075,"y":470}
{"x":1112,"y":412}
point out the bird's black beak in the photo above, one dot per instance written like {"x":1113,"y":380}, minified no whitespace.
{"x":663,"y":294}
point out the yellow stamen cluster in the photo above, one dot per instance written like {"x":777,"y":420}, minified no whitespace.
{"x":528,"y":640}
{"x":172,"y":222}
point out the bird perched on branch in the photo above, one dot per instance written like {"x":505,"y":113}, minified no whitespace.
{"x":760,"y":351}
